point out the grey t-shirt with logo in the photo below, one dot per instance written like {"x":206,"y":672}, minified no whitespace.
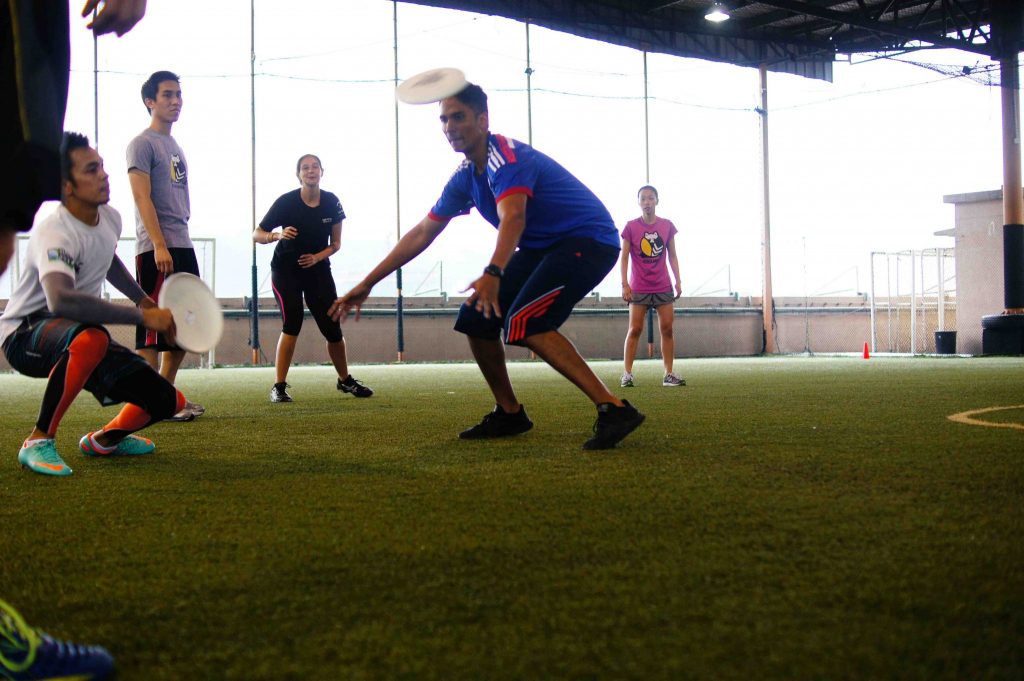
{"x":160,"y":157}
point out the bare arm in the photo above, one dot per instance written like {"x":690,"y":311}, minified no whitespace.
{"x":512,"y":223}
{"x":310,"y":259}
{"x":627,"y":292}
{"x":123,"y":281}
{"x":118,"y":16}
{"x":262,"y":236}
{"x":673,"y":262}
{"x":408,"y":247}
{"x":64,"y":301}
{"x":142,"y":188}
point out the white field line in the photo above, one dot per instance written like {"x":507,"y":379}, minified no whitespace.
{"x":968,"y":417}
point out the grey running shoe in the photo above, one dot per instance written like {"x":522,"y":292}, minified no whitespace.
{"x":352,"y":386}
{"x":189,"y":412}
{"x":279,"y":393}
{"x":613,"y":423}
{"x":499,"y":423}
{"x":627,"y":380}
{"x":672,"y":380}
{"x":184,"y":415}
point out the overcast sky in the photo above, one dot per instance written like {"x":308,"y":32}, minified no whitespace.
{"x":858,"y":165}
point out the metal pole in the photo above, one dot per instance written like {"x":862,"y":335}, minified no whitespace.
{"x":940,"y":257}
{"x":95,"y":86}
{"x":529,"y":89}
{"x":254,"y":306}
{"x":913,"y":304}
{"x":647,"y":180}
{"x":872,"y":308}
{"x":767,"y":300}
{"x":647,"y":128}
{"x":400,"y":322}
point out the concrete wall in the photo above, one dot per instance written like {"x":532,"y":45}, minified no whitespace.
{"x":704,"y":327}
{"x":978,"y":232}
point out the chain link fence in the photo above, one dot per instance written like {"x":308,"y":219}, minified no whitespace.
{"x":913,"y":296}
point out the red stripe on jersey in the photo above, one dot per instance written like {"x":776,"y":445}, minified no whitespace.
{"x":152,"y":337}
{"x":535,"y":308}
{"x":505,"y":148}
{"x":514,"y":190}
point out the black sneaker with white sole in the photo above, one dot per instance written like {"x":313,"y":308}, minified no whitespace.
{"x":353,"y":387}
{"x":499,"y":423}
{"x":613,"y":424}
{"x":279,"y":393}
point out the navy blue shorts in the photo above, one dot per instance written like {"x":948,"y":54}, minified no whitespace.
{"x":151,"y":280}
{"x":41,"y":340}
{"x":316,"y":285}
{"x":540,"y":289}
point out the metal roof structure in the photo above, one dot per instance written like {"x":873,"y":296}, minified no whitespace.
{"x":801,"y":37}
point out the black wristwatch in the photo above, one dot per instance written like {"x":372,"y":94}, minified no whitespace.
{"x":494,"y":271}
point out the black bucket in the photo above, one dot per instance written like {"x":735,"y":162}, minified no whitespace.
{"x":945,"y":342}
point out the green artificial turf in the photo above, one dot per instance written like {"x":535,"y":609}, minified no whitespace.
{"x":778,"y":518}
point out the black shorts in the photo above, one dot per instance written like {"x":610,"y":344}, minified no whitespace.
{"x":316,"y":285}
{"x":150,"y":279}
{"x":41,"y":340}
{"x":540,"y":289}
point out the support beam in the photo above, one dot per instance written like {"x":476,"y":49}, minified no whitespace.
{"x":767,"y":299}
{"x":889,"y":28}
{"x":1013,"y":200}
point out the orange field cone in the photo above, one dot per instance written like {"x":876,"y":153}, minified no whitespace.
{"x":867,"y":353}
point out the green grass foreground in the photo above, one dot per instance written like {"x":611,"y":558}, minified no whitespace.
{"x":779,"y":518}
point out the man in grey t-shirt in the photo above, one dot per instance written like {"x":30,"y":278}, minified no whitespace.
{"x":158,"y":176}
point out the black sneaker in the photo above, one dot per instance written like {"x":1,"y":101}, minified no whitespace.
{"x":351,"y":385}
{"x":613,"y":423}
{"x":279,"y":393}
{"x":499,"y":423}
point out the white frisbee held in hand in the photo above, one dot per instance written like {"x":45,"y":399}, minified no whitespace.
{"x":198,"y":318}
{"x":431,"y":86}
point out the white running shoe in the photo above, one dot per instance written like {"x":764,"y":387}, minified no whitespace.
{"x":627,"y":380}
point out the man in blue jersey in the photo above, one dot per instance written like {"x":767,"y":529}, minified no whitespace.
{"x":556,"y":242}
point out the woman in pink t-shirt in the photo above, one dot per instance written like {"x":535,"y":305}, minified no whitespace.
{"x":646,"y":241}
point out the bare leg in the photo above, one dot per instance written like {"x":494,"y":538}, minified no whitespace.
{"x":562,"y":355}
{"x":490,"y":357}
{"x":169,"y":363}
{"x":666,"y":316}
{"x":636,"y":326}
{"x":8,"y":239}
{"x":285,"y":353}
{"x":339,"y":357}
{"x":151,"y":356}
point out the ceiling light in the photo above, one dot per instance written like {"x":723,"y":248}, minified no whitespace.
{"x":717,"y":14}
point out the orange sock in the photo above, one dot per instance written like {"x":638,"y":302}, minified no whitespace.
{"x":69,"y":375}
{"x":133,"y":417}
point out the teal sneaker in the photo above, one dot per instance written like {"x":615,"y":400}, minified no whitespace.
{"x":27,"y":654}
{"x":40,"y":456}
{"x":133,"y":445}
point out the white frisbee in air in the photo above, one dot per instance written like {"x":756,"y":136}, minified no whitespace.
{"x":198,"y":319}
{"x":431,"y":86}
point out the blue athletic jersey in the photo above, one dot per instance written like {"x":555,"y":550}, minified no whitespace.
{"x":559,"y":206}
